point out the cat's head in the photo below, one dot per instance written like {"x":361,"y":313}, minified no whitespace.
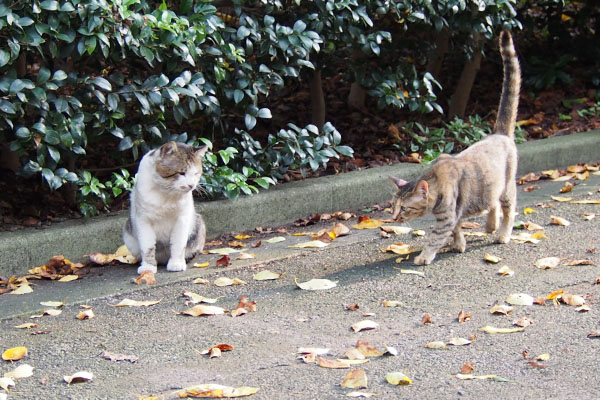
{"x":410,"y":200}
{"x":179,"y":166}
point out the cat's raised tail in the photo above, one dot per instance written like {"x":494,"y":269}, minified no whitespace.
{"x":511,"y":85}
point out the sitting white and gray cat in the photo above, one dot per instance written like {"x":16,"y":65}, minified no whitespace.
{"x":163,"y":226}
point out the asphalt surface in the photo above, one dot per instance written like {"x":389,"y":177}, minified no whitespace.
{"x":168,"y":345}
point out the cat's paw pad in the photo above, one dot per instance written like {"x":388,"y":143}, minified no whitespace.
{"x":146,"y":267}
{"x":423,"y":260}
{"x":176,"y":265}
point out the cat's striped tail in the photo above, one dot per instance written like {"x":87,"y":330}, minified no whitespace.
{"x":511,"y":85}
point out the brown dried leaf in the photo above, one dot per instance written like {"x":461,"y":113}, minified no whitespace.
{"x":334,"y":364}
{"x":467,"y":368}
{"x":523,"y":322}
{"x":535,"y":364}
{"x":366,"y":349}
{"x":426,"y":319}
{"x":580,"y":262}
{"x":119,"y":357}
{"x":463,"y":317}
{"x":223,"y":261}
{"x":355,"y":379}
{"x":353,"y":307}
{"x":146,"y":277}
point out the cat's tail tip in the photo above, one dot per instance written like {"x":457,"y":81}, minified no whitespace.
{"x":506,"y":42}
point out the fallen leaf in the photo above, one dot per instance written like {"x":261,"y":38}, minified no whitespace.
{"x":559,"y":221}
{"x":492,"y":259}
{"x":22,"y":371}
{"x":52,"y":303}
{"x":85,"y":314}
{"x":395,"y":229}
{"x":547,"y":262}
{"x":333,"y":364}
{"x":225,"y":251}
{"x":588,"y":201}
{"x":361,"y":394}
{"x":242,"y":236}
{"x":457,"y":341}
{"x":203,"y":309}
{"x":390,"y":351}
{"x":236,"y":243}
{"x":309,"y":244}
{"x":426,"y":319}
{"x":536,"y":365}
{"x":224,"y":281}
{"x":245,"y":256}
{"x":491,"y":329}
{"x":563,"y":178}
{"x":467,"y":368}
{"x":583,"y":308}
{"x":397,"y":378}
{"x":68,"y":278}
{"x":505,"y":271}
{"x":419,"y":233}
{"x":340,"y":229}
{"x":355,"y":379}
{"x":78,"y":377}
{"x":572,"y":299}
{"x":319,"y":351}
{"x":551,"y":174}
{"x":119,"y":357}
{"x":529,"y":210}
{"x":214,"y":352}
{"x":146,"y":277}
{"x":135,"y":303}
{"x":438,"y":344}
{"x":470,"y":225}
{"x":567,"y":187}
{"x":366,"y":349}
{"x":196,"y":298}
{"x":580,"y":262}
{"x":524,"y":237}
{"x":201,"y":281}
{"x":7,"y":383}
{"x":391,"y":303}
{"x":214,"y":390}
{"x":265,"y":275}
{"x":316,"y":284}
{"x":523,"y":322}
{"x":543,"y":357}
{"x":530,"y":226}
{"x":364,"y":325}
{"x":122,"y":255}
{"x":14,"y":353}
{"x":593,"y":334}
{"x":368,"y":223}
{"x":275,"y":239}
{"x":530,"y":177}
{"x":561,"y":199}
{"x":23,"y":289}
{"x":354,"y":354}
{"x":555,"y":294}
{"x":463,"y":317}
{"x":501,"y":309}
{"x":352,"y":307}
{"x":201,"y":265}
{"x":480,"y":377}
{"x":223,"y":261}
{"x":520,"y":299}
{"x":27,"y":325}
{"x":412,"y":272}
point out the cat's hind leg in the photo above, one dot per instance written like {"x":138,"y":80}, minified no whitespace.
{"x":196,"y":240}
{"x":508,"y":201}
{"x":492,"y":219}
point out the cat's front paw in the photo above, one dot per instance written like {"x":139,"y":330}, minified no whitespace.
{"x":423,"y":259}
{"x":503,"y":239}
{"x":146,"y":267}
{"x":176,"y":265}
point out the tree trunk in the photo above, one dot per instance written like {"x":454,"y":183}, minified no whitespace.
{"x":460,"y":98}
{"x":436,"y":58}
{"x":357,"y":96}
{"x":9,"y":159}
{"x":317,"y":100}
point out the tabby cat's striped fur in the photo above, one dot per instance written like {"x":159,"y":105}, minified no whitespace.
{"x":481,"y":178}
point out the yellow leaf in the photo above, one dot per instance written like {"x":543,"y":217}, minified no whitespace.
{"x":538,"y":235}
{"x":391,"y":303}
{"x":543,"y":357}
{"x":68,"y":278}
{"x":588,"y":201}
{"x":506,"y":271}
{"x":245,"y":256}
{"x":419,"y":232}
{"x":561,"y":199}
{"x":555,"y":294}
{"x":23,"y":289}
{"x":266,"y":275}
{"x":529,"y":210}
{"x":397,"y":378}
{"x":491,"y":329}
{"x":135,"y":303}
{"x":14,"y":353}
{"x":27,"y":325}
{"x":201,"y":265}
{"x":399,"y":248}
{"x":492,"y":259}
{"x":275,"y":239}
{"x":214,"y":390}
{"x":225,"y":251}
{"x":242,"y":236}
{"x":368,"y":224}
{"x":438,"y":344}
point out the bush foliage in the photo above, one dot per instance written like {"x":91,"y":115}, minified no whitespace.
{"x":118,"y":77}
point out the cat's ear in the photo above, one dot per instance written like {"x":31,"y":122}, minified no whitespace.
{"x":200,"y":152}
{"x":168,"y":148}
{"x":422,"y":189}
{"x":397,"y":181}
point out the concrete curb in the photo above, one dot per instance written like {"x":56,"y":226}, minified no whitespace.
{"x":282,"y":204}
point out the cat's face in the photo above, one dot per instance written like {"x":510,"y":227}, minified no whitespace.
{"x":410,"y":200}
{"x":179,"y":166}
